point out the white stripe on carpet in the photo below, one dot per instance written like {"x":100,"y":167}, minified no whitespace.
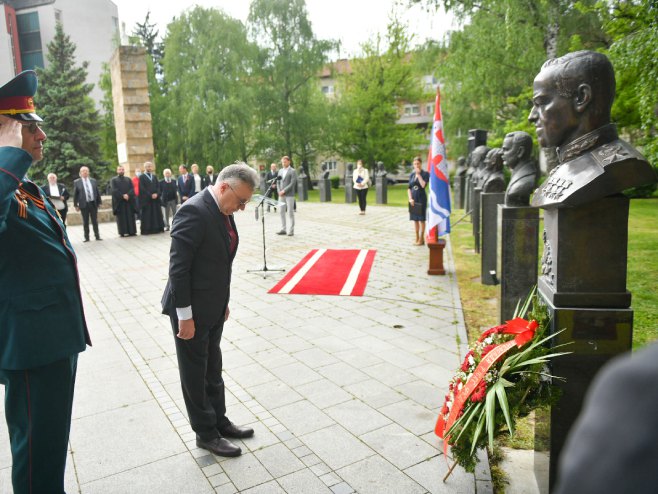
{"x":354,"y":273}
{"x":302,"y":271}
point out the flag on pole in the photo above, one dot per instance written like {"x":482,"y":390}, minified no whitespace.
{"x":438,"y":212}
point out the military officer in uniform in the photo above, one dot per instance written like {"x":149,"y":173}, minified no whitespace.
{"x":42,"y":323}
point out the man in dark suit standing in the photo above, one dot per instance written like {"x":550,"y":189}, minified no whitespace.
{"x":86,"y":199}
{"x":58,"y":195}
{"x":42,"y":322}
{"x":270,"y":179}
{"x":185,"y":184}
{"x":204,"y":240}
{"x":210,"y":177}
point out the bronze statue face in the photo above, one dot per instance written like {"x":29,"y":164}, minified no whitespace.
{"x":555,"y":116}
{"x":510,"y":152}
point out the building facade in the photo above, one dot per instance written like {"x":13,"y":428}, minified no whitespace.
{"x":29,"y":25}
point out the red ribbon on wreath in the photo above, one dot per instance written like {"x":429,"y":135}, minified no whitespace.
{"x":524,"y":331}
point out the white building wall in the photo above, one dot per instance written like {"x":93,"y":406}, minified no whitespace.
{"x":92,"y":25}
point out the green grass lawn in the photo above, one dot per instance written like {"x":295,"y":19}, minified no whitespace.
{"x":396,"y":195}
{"x":479,"y":300}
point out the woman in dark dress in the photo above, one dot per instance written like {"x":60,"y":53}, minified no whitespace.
{"x":418,"y":180}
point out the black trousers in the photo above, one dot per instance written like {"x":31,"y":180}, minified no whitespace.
{"x":361,"y":194}
{"x":90,"y":211}
{"x":38,"y":405}
{"x":200,"y":369}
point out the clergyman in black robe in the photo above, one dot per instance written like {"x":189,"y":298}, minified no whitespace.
{"x":149,"y":202}
{"x":123,"y":203}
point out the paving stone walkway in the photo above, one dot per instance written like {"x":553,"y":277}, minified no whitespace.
{"x":342,"y":391}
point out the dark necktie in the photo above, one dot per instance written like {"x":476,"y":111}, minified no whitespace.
{"x":231,"y":233}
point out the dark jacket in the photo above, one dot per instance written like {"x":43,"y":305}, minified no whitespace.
{"x":79,"y":196}
{"x":62,"y":193}
{"x":200,"y":261}
{"x":185,"y":187}
{"x":168,"y":190}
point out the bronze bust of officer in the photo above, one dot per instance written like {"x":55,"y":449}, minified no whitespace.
{"x":572,"y":98}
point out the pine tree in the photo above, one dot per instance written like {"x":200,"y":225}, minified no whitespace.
{"x":71,"y":120}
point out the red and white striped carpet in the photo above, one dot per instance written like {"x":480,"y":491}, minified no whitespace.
{"x":329,"y":272}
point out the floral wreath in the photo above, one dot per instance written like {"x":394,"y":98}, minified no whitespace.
{"x":504,"y":376}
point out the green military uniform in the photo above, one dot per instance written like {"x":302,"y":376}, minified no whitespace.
{"x":42,"y":324}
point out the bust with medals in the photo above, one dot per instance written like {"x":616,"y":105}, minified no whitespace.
{"x":572,"y":99}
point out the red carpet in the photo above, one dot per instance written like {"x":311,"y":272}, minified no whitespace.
{"x":329,"y":272}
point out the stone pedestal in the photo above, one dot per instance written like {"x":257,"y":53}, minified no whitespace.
{"x":489,"y":220}
{"x":475,"y":216}
{"x":324,"y":184}
{"x":436,"y":256}
{"x":350,"y":193}
{"x":518,"y":256}
{"x":597,"y":335}
{"x":381,"y":186}
{"x":468,"y":194}
{"x":583,"y":282}
{"x":585,"y":255}
{"x":132,"y":111}
{"x":302,"y":188}
{"x":458,"y":192}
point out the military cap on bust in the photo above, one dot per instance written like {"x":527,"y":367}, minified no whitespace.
{"x":16,"y":97}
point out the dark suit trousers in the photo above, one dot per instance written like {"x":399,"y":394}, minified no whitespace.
{"x":90,"y":211}
{"x":38,"y":405}
{"x":200,"y":368}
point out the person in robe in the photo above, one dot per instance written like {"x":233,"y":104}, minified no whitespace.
{"x":124,"y":206}
{"x":149,"y":202}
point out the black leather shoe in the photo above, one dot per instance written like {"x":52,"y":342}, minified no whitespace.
{"x":282,"y":232}
{"x":86,"y":240}
{"x":236,"y":432}
{"x":219,"y":446}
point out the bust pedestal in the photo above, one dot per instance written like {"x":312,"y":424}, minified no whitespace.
{"x":489,"y":218}
{"x":381,"y":186}
{"x":518,"y":255}
{"x":583,"y":283}
{"x":324,"y":184}
{"x":475,"y":216}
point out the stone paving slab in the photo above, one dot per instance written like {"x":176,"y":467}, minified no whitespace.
{"x":341,"y":391}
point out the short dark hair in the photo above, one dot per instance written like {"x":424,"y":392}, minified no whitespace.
{"x":588,"y":67}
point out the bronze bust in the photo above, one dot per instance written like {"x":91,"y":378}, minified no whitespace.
{"x":477,"y":161}
{"x":572,"y":98}
{"x":494,"y":181}
{"x":517,"y":152}
{"x":461,"y":167}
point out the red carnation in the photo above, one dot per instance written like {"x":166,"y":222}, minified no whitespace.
{"x":479,"y":393}
{"x":466,"y":364}
{"x":445,"y":410}
{"x":487,"y":349}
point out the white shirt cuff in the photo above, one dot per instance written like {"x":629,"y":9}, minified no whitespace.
{"x":184,"y":313}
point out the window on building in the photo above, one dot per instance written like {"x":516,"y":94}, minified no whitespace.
{"x":330,"y":166}
{"x":411,"y":110}
{"x":327,"y":89}
{"x":429,"y":108}
{"x":29,"y":38}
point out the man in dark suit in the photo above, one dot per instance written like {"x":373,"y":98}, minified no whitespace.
{"x":42,"y":323}
{"x":204,"y":240}
{"x":86,"y":199}
{"x":613,"y":446}
{"x":185,"y":184}
{"x":58,"y":195}
{"x":270,"y":179}
{"x":210,"y":177}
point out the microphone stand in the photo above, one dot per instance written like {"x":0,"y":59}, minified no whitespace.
{"x":265,"y":269}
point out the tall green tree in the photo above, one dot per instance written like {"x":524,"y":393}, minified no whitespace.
{"x":108,"y":134}
{"x":490,"y":63}
{"x":291,"y":112}
{"x":71,"y":120}
{"x":207,"y":111}
{"x":370,"y":102}
{"x":147,"y":33}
